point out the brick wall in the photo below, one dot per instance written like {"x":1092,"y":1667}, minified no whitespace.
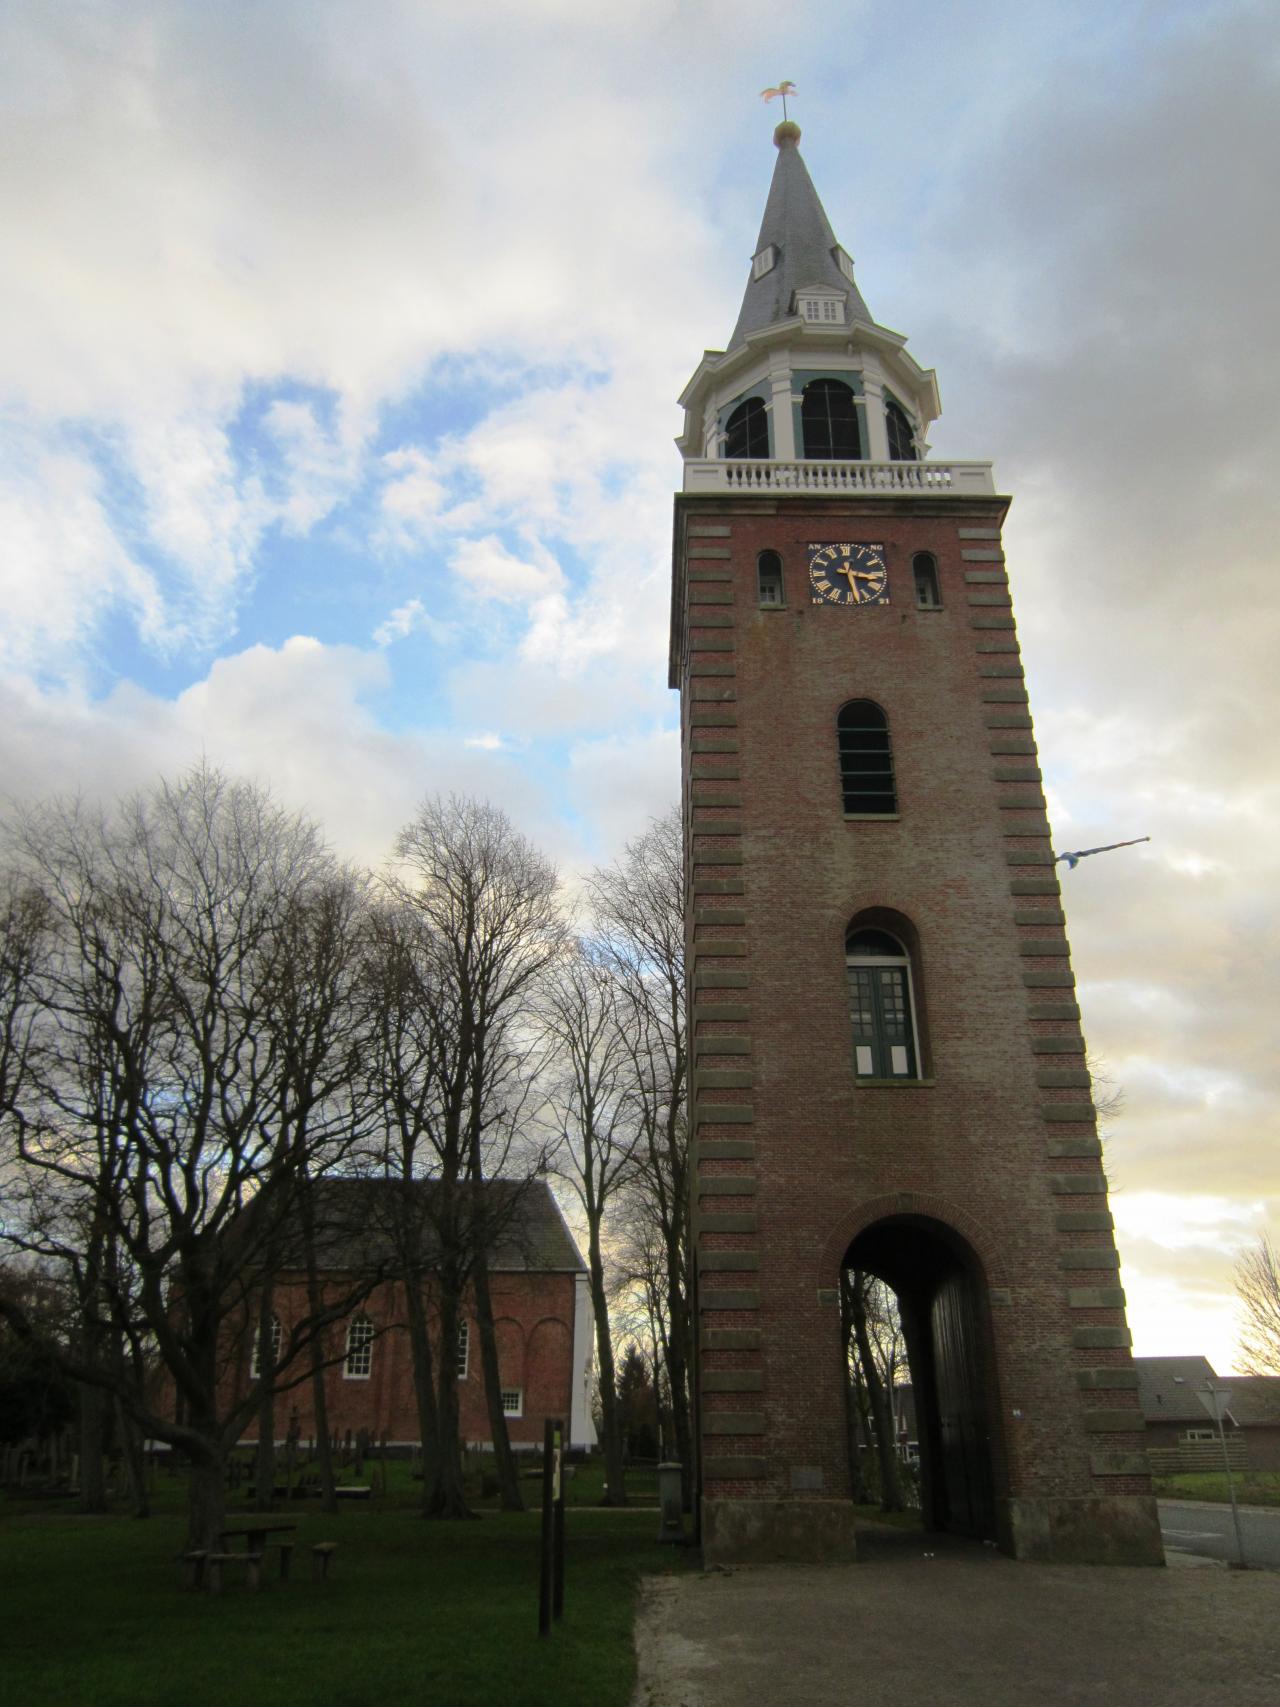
{"x":998,"y":1141}
{"x":534,"y":1320}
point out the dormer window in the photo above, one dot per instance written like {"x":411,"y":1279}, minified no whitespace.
{"x":764,"y":261}
{"x":844,"y":262}
{"x":821,"y":310}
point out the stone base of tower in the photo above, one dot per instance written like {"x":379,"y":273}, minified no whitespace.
{"x":762,"y":1532}
{"x":1117,"y":1529}
{"x":1120,"y":1529}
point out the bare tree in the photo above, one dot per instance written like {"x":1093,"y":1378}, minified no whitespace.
{"x":638,"y":907}
{"x":1258,"y":1288}
{"x":593,"y":1104}
{"x":487,"y":904}
{"x":187,"y":1056}
{"x":873,"y":1332}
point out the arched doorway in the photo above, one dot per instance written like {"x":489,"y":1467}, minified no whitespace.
{"x":940,"y":1290}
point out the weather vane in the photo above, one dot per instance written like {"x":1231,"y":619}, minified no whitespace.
{"x":1073,"y":859}
{"x":785,"y":88}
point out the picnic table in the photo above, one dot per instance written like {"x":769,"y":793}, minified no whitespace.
{"x":257,"y":1538}
{"x":205,"y":1569}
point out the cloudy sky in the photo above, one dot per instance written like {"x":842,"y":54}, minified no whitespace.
{"x":339,"y":345}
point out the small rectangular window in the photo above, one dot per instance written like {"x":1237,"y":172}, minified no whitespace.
{"x":512,"y":1402}
{"x":464,"y":1349}
{"x":762,"y":262}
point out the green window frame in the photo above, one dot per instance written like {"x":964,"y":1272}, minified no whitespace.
{"x":881,"y":1007}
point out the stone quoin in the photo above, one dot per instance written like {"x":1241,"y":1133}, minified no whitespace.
{"x":888,"y":1065}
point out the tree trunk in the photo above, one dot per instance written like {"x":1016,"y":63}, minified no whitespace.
{"x":423,"y":1389}
{"x":207,"y":1501}
{"x":135,"y":1468}
{"x":319,"y":1395}
{"x":93,"y":1426}
{"x":504,"y":1458}
{"x":611,"y":1423}
{"x":678,"y":1373}
{"x":881,"y":1407}
{"x":448,"y":1496}
{"x":264,"y":1470}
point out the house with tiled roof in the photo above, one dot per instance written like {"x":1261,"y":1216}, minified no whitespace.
{"x":1181,"y":1434}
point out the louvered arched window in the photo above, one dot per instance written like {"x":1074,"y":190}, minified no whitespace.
{"x":829,"y":421}
{"x":866,"y":760}
{"x":747,"y":430}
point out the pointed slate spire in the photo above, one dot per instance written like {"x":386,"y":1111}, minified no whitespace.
{"x":796,"y":223}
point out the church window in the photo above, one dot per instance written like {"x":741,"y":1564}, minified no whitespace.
{"x":844,"y":261}
{"x":464,"y":1349}
{"x":359,"y":1360}
{"x":763,"y":261}
{"x":880,"y":1006}
{"x":925,"y":571}
{"x":255,"y":1364}
{"x":512,"y":1402}
{"x":829,"y":421}
{"x":902,"y":444}
{"x":747,"y":430}
{"x":866,"y":760}
{"x":769,"y":578}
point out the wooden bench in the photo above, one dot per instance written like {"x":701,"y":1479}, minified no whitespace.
{"x":321,"y":1557}
{"x":214,"y":1562}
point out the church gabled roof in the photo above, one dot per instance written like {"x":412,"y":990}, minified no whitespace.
{"x":796,"y":224}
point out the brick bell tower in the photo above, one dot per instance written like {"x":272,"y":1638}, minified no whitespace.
{"x":889,"y":1072}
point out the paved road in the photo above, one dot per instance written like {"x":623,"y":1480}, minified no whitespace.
{"x":958,"y":1627}
{"x":1194,"y":1527}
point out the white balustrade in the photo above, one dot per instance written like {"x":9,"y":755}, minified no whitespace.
{"x":917,"y":479}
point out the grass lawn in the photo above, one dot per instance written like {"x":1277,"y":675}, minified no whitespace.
{"x":1256,"y":1487}
{"x":95,"y":1613}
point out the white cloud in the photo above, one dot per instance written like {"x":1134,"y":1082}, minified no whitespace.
{"x":409,"y":618}
{"x":487,"y":568}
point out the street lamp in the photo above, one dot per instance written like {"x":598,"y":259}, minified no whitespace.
{"x":1215,"y":1399}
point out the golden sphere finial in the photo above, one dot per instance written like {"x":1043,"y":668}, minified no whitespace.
{"x":787,"y":132}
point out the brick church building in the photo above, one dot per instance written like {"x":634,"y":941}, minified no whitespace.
{"x":889,"y":1068}
{"x":542,"y":1316}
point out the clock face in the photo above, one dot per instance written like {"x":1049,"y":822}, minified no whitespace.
{"x":848,"y":574}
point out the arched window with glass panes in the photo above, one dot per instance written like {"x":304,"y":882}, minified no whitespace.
{"x":255,"y":1363}
{"x":924,"y":571}
{"x":769,"y":578}
{"x":747,"y":430}
{"x":829,"y":421}
{"x":902,"y":442}
{"x":359,"y":1359}
{"x":866,"y":761}
{"x":881,"y":1005}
